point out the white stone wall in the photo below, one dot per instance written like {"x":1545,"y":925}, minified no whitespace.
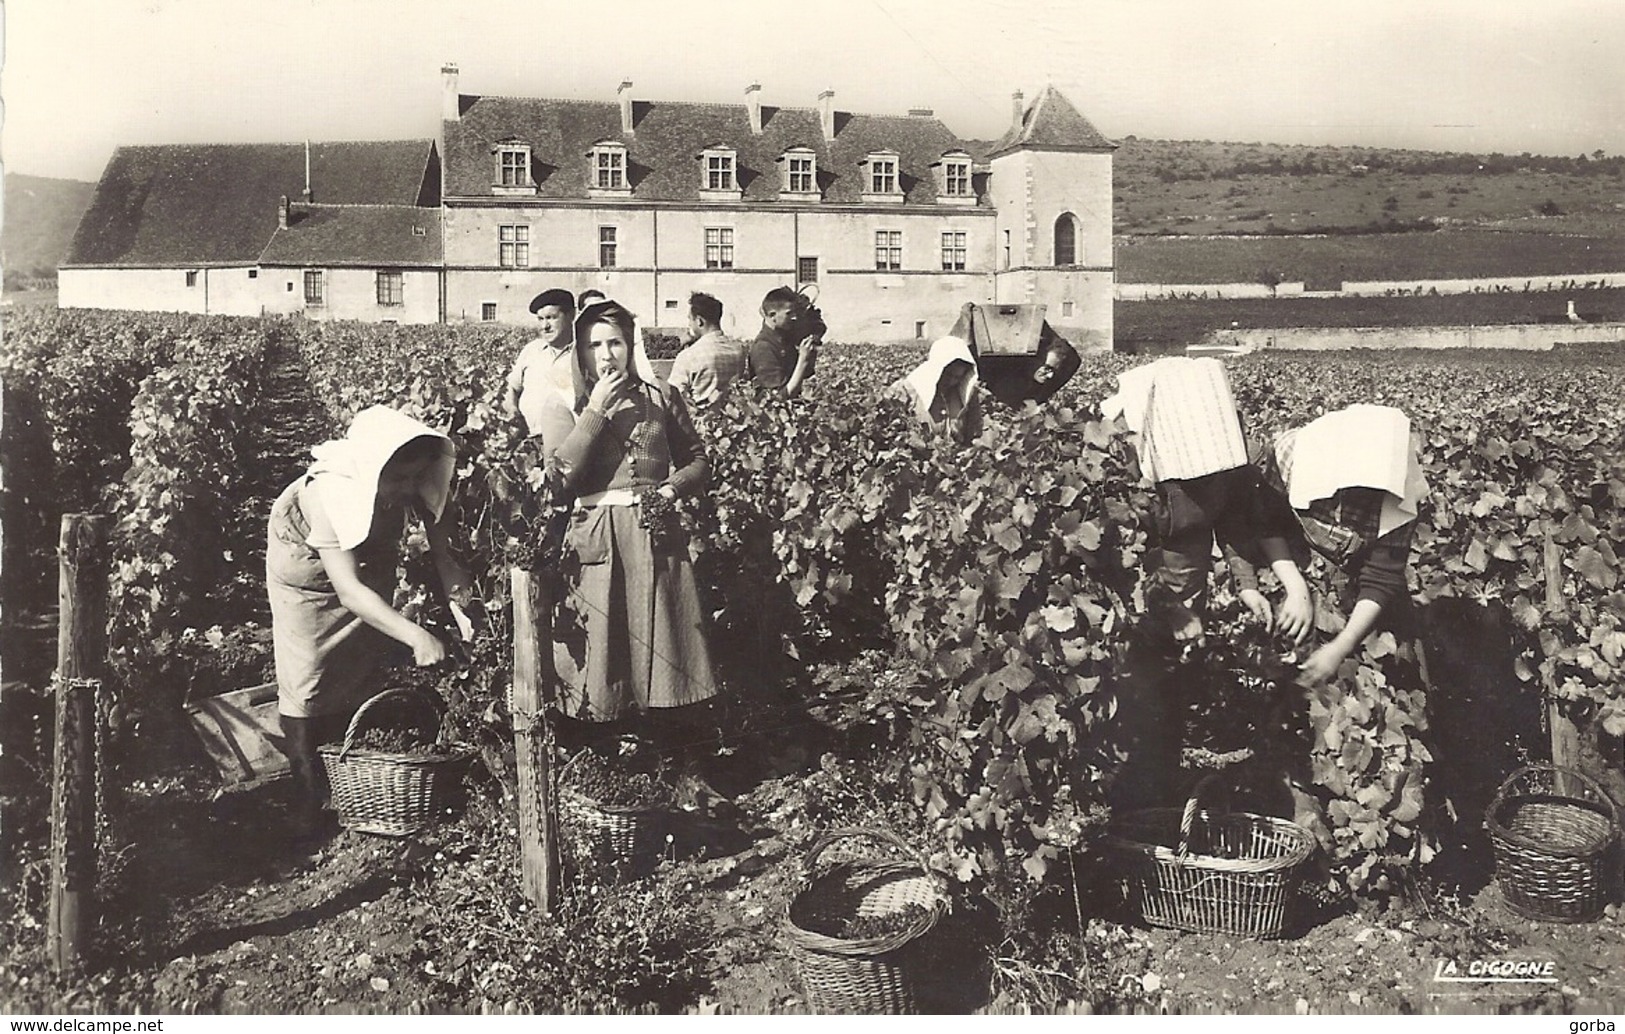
{"x":660,"y":259}
{"x":1376,"y":288}
{"x":224,"y":291}
{"x":352,"y":294}
{"x":1524,"y":336}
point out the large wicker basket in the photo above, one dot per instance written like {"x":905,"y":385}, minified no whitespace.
{"x":388,"y":793}
{"x":1190,"y":869}
{"x":867,"y":975}
{"x":1554,"y":832}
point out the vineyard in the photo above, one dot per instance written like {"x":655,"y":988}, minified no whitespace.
{"x":946,"y":641}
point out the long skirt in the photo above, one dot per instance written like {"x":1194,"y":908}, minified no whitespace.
{"x":629,"y":633}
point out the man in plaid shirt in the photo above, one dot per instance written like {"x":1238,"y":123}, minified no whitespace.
{"x":708,"y":366}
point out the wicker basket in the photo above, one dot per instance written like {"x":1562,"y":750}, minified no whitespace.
{"x":1209,"y":873}
{"x":391,"y":794}
{"x":871,"y":975}
{"x":628,"y":835}
{"x":624,"y":835}
{"x":1554,"y":831}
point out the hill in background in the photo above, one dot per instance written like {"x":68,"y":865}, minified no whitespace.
{"x":1207,"y":188}
{"x":40,"y":216}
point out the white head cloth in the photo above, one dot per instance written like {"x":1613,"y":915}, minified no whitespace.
{"x":346,"y":470}
{"x":1361,"y":446}
{"x":925,"y":377}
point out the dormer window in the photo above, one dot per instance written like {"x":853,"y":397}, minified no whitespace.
{"x":512,"y":168}
{"x":800,"y":183}
{"x":719,"y":179}
{"x":719,"y":171}
{"x":953,"y":179}
{"x":606,"y":170}
{"x":882,"y":181}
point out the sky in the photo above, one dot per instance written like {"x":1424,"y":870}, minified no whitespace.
{"x":81,"y":77}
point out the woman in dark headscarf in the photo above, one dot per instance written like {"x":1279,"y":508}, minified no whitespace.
{"x":630,"y":634}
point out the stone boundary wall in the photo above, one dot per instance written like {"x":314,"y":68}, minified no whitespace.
{"x":1521,"y":336}
{"x":1373,"y":288}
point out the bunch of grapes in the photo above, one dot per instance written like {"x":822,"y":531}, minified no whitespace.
{"x":658,"y":516}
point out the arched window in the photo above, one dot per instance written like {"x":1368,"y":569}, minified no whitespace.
{"x":1066,"y":240}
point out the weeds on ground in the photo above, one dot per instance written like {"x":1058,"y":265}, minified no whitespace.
{"x":1053,"y":955}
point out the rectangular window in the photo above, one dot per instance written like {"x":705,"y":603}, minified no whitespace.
{"x":313,"y":287}
{"x":191,"y":278}
{"x":389,"y":287}
{"x":802,"y":179}
{"x":513,"y":246}
{"x":513,"y":169}
{"x":253,"y":274}
{"x":953,"y":250}
{"x":606,"y":247}
{"x":719,"y":247}
{"x":1007,"y":249}
{"x":956,"y":179}
{"x":888,"y":249}
{"x":719,"y":172}
{"x":611,"y":170}
{"x":488,"y":312}
{"x":807,"y":270}
{"x":919,"y":329}
{"x":1066,"y":308}
{"x":883,"y":176}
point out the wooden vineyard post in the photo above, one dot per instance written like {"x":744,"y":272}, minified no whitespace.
{"x":1565,"y":734}
{"x":538,"y":826}
{"x":81,"y":659}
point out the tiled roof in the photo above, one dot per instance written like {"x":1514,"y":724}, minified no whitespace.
{"x":203,"y":204}
{"x":1052,"y":121}
{"x":664,"y":149}
{"x":356,"y":235}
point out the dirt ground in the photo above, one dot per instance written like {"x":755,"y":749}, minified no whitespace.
{"x":219,"y":914}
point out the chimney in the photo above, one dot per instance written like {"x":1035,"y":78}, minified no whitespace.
{"x":826,"y":113}
{"x":624,"y":93}
{"x":753,"y":101}
{"x":282,"y":213}
{"x":450,"y":108}
{"x":1015,"y":111}
{"x":920,"y":113}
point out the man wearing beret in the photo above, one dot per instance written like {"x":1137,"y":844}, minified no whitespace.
{"x":541,"y":387}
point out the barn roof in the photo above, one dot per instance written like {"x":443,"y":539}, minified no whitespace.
{"x":216,"y":204}
{"x":664,"y":149}
{"x":356,"y":235}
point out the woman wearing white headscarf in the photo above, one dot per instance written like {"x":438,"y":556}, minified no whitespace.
{"x":942,"y":390}
{"x":1347,"y":486}
{"x":332,"y":548}
{"x":629,"y":637}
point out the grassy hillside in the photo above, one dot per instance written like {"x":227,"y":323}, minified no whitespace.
{"x":1378,"y":214}
{"x":1181,"y":186}
{"x":40,"y":216}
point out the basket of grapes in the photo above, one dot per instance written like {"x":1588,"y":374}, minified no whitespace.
{"x":394,"y":771}
{"x":856,"y":924}
{"x":615,"y":811}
